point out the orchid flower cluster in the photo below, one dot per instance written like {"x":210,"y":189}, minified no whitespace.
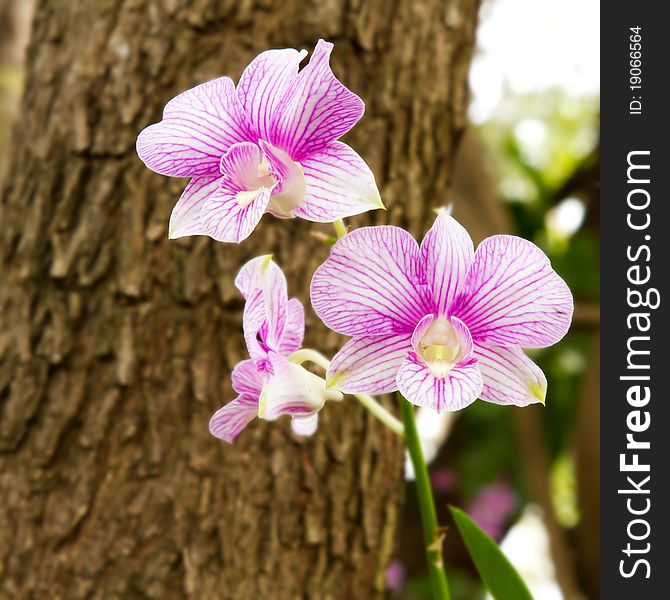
{"x":438,"y":321}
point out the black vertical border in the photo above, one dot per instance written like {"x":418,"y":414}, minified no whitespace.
{"x":622,"y":133}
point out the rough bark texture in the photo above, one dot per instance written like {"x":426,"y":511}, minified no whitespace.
{"x":115,"y":343}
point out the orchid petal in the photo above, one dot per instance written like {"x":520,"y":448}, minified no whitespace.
{"x":263,"y":284}
{"x":318,"y":110}
{"x":231,"y":419}
{"x":512,"y":296}
{"x":292,"y":390}
{"x":368,"y":365}
{"x":289,"y":191}
{"x":369,"y":284}
{"x":464,"y":337}
{"x":198,"y":126}
{"x":234,"y":210}
{"x":240,"y":166}
{"x":254,"y":325}
{"x":338,"y":184}
{"x":247,"y":379}
{"x":510,"y":377}
{"x":185,"y":217}
{"x":451,"y":392}
{"x":226,"y":219}
{"x":260,"y":273}
{"x":420,"y":330}
{"x":263,"y":86}
{"x":446,"y":252}
{"x":294,"y":331}
{"x":305,"y":426}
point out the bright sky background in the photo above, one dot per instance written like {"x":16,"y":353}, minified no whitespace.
{"x":534,"y":45}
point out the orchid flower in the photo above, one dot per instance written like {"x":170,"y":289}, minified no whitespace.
{"x":267,"y":145}
{"x":268,"y":384}
{"x":440,"y":322}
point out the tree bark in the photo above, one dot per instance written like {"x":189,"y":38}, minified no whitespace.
{"x":116,"y":344}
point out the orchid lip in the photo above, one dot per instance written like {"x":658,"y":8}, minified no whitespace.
{"x":440,"y":348}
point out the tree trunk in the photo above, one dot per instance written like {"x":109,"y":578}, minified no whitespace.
{"x":116,"y":344}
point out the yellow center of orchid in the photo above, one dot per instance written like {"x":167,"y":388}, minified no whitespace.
{"x":440,"y":347}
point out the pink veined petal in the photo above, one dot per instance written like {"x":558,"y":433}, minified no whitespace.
{"x":234,"y":210}
{"x":455,"y":391}
{"x":198,"y":126}
{"x":368,"y":365}
{"x":263,"y":86}
{"x":512,"y":296}
{"x":338,"y":184}
{"x":464,"y":336}
{"x":253,"y":322}
{"x":292,"y":390}
{"x":446,"y":253}
{"x":259,"y":273}
{"x":318,"y":109}
{"x":185,"y":217}
{"x":370,"y":284}
{"x":289,"y":191}
{"x":281,"y":167}
{"x":240,"y":166}
{"x":305,"y":426}
{"x":263,"y":284}
{"x":294,"y":331}
{"x":510,"y":377}
{"x":225,"y":219}
{"x":420,"y":330}
{"x":247,"y":379}
{"x":231,"y":419}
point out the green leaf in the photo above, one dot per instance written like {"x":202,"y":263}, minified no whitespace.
{"x":497,"y":573}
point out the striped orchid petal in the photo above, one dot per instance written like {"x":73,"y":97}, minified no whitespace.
{"x":263,"y":285}
{"x":512,"y":296}
{"x":318,"y":110}
{"x":368,"y":365}
{"x":446,"y":253}
{"x":260,"y":273}
{"x":227,"y":422}
{"x":247,"y":379}
{"x":510,"y":377}
{"x":255,"y":326}
{"x":454,"y":391}
{"x":226,"y":219}
{"x":294,"y":329}
{"x":338,"y":184}
{"x":198,"y":126}
{"x":232,"y":212}
{"x":263,"y":87}
{"x":293,"y":391}
{"x":185,"y":218}
{"x":370,"y":284}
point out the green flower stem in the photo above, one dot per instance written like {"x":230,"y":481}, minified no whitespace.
{"x":431,"y":534}
{"x":340,"y":228}
{"x":309,"y":355}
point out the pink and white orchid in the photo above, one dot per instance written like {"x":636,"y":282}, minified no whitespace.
{"x":440,"y":322}
{"x":267,"y":145}
{"x":268,"y":384}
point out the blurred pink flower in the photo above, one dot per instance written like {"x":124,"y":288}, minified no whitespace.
{"x":443,"y":480}
{"x":492,"y":508}
{"x":267,"y":145}
{"x":395,"y":575}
